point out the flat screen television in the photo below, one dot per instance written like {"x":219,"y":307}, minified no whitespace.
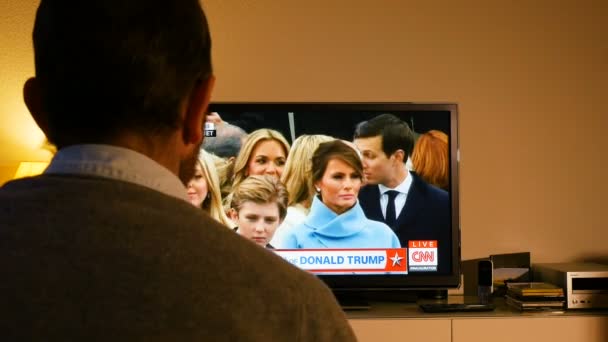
{"x":427,"y":261}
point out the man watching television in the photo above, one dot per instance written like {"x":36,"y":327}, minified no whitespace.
{"x":104,"y":245}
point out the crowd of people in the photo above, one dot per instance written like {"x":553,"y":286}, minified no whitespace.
{"x":324,"y":192}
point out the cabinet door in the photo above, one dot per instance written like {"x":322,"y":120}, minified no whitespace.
{"x":533,"y":329}
{"x":427,"y":330}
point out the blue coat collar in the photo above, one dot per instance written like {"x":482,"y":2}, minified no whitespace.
{"x":326,"y":223}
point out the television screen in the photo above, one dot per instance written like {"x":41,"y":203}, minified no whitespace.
{"x":409,"y":240}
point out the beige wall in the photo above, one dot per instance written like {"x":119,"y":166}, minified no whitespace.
{"x":20,"y":139}
{"x":530,"y":78}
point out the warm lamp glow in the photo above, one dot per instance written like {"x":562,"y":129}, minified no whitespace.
{"x":28,"y":169}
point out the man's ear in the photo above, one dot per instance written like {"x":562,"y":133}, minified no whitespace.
{"x":32,"y":96}
{"x":400,"y":156}
{"x":196,"y":109}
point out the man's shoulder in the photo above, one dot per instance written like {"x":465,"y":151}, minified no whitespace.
{"x":428,"y":190}
{"x":70,"y":196}
{"x":68,"y":183}
{"x":136,"y":251}
{"x":136,"y":237}
{"x":153,"y":222}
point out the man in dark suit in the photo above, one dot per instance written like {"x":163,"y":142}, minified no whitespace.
{"x":414,"y":209}
{"x":104,"y":246}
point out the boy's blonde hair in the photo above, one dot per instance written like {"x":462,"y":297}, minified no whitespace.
{"x":261,"y":190}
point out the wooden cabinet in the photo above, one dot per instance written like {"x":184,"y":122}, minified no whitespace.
{"x":427,"y":330}
{"x":405,"y":322}
{"x":533,"y":329}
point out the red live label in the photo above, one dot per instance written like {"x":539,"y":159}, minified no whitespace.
{"x":422,"y":244}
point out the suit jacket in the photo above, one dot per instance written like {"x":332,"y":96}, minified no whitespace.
{"x":425,"y":216}
{"x":93,"y":259}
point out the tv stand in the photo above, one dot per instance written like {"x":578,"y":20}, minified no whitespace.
{"x":349,"y":304}
{"x":360,"y":300}
{"x":392,"y":321}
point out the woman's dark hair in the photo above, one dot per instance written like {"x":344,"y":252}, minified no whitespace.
{"x":334,"y":150}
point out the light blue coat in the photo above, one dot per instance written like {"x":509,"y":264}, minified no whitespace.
{"x":325,"y":229}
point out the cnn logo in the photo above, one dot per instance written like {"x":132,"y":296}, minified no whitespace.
{"x":422,"y":256}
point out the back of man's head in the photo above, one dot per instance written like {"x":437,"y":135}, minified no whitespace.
{"x":396,"y":133}
{"x":109,"y":66}
{"x":227,"y":142}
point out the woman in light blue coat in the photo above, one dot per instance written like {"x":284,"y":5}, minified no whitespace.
{"x":336,"y":220}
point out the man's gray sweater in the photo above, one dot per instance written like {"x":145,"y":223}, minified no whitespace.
{"x":87,"y":258}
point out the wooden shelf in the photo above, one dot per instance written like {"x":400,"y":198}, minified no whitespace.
{"x":406,"y":321}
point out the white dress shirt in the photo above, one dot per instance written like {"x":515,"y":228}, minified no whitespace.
{"x":402,"y":188}
{"x":117,"y":163}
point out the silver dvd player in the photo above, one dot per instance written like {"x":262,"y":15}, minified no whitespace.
{"x":585,"y":284}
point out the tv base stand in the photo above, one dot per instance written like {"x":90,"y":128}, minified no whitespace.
{"x":360,"y":300}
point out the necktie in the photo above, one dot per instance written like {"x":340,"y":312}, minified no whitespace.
{"x":391,"y":216}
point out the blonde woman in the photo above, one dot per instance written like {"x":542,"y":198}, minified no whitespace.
{"x":258,"y":206}
{"x":297,"y":177}
{"x":204,"y":189}
{"x":263,"y":153}
{"x":224,"y":171}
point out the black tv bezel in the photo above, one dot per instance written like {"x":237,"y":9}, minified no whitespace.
{"x":416,"y":281}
